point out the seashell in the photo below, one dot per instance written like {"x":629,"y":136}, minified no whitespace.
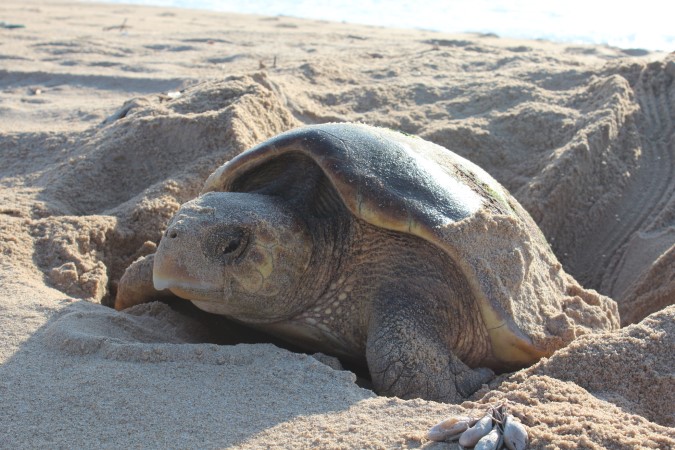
{"x":450,"y":429}
{"x":515,"y":434}
{"x":471,"y":436}
{"x":490,"y":441}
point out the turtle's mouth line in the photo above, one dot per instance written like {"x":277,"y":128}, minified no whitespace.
{"x":187,"y":290}
{"x":199,"y":294}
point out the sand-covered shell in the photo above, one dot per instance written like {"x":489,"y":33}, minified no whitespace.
{"x":450,"y":428}
{"x":406,"y":184}
{"x":470,"y":437}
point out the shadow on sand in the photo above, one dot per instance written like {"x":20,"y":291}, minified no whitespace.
{"x":94,"y":377}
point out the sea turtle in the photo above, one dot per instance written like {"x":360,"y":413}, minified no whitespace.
{"x":378,"y":247}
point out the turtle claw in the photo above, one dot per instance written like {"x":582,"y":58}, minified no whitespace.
{"x":496,"y":430}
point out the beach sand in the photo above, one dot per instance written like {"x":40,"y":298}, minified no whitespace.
{"x":114,"y":115}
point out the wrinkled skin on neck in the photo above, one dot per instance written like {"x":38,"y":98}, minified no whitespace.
{"x":246,"y":256}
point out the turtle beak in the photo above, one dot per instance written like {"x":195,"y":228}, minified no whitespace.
{"x":166,"y":270}
{"x":166,"y":274}
{"x":169,"y":276}
{"x":161,"y":281}
{"x":171,"y":270}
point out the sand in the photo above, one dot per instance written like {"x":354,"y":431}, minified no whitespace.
{"x":112,"y":116}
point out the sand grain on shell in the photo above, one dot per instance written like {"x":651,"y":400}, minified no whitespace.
{"x":97,"y":151}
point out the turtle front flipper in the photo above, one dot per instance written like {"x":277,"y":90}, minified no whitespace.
{"x":405,"y":352}
{"x":136,"y":285}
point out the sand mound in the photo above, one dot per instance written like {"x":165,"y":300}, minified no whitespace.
{"x":600,"y":384}
{"x":632,"y":368}
{"x":114,"y":187}
{"x":99,"y":150}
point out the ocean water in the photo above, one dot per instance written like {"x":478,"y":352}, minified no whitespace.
{"x":643,"y":24}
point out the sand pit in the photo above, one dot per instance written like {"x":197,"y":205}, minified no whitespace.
{"x":106,"y":131}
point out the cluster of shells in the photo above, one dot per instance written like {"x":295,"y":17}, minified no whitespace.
{"x":495,"y":430}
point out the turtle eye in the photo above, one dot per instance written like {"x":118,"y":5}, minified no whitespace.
{"x":225,"y":245}
{"x":232,"y":246}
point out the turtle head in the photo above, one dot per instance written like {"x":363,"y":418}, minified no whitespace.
{"x":236,"y":254}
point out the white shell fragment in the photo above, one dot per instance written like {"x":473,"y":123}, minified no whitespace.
{"x":471,"y":436}
{"x":450,"y":429}
{"x":515,"y":434}
{"x":490,"y":441}
{"x":496,"y":430}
